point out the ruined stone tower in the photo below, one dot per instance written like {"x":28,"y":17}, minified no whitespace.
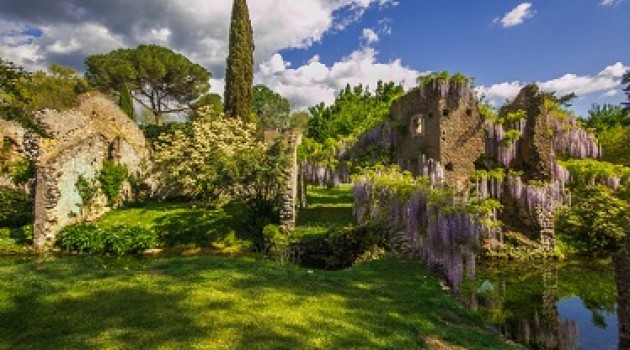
{"x":440,"y":121}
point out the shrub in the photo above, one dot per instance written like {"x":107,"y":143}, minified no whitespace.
{"x":597,"y":220}
{"x":82,"y":239}
{"x":340,"y":248}
{"x":111,"y":179}
{"x":275,"y":241}
{"x":119,"y":240}
{"x":16,"y":208}
{"x":129,"y":240}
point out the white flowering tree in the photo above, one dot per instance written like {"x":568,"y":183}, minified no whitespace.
{"x":219,"y":157}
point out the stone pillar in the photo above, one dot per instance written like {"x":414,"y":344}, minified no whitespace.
{"x":290,"y":194}
{"x":622,"y":277}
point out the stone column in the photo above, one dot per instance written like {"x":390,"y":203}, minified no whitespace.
{"x":289,"y":196}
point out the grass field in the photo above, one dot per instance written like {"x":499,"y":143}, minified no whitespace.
{"x":209,"y":302}
{"x":228,"y":302}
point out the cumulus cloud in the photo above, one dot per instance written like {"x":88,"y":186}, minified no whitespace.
{"x":316,"y":82}
{"x":610,"y":3}
{"x":369,"y":36}
{"x":606,"y":83}
{"x":72,"y":29}
{"x":518,"y":15}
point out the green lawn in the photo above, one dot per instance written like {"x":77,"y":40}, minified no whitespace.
{"x":326,"y":208}
{"x":209,"y":302}
{"x":221,"y":302}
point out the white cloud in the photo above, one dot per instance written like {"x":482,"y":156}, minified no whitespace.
{"x":196,"y":28}
{"x":610,"y":3}
{"x":315,"y":82}
{"x":606,"y":83}
{"x":517,"y":16}
{"x":369,"y":36}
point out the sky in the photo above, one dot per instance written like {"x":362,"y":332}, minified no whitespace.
{"x":307,"y":50}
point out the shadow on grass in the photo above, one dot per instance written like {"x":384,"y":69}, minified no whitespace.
{"x":234,"y":303}
{"x":199,"y":227}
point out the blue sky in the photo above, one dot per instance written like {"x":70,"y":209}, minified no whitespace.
{"x":308,"y":49}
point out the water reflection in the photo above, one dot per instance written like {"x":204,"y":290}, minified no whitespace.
{"x":553,"y":305}
{"x":622,"y":277}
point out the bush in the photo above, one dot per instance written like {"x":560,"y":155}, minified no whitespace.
{"x":275,"y":242}
{"x":111,"y":179}
{"x":340,"y":248}
{"x":597,"y":220}
{"x":16,"y":208}
{"x":119,"y":240}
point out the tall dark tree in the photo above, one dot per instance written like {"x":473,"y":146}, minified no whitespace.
{"x":159,"y":79}
{"x":125,"y":102}
{"x":240,"y":64}
{"x":626,"y":89}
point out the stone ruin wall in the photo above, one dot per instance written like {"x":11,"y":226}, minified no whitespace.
{"x":78,"y":142}
{"x":443,"y":123}
{"x":12,"y":137}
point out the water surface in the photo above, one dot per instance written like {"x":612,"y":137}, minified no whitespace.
{"x":548,"y":305}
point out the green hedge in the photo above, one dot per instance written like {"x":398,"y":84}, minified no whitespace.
{"x":118,"y":240}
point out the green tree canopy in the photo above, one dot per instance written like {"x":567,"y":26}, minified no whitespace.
{"x":213,"y":101}
{"x":271,"y":108}
{"x":602,"y":117}
{"x":159,"y":79}
{"x":12,"y":99}
{"x":57,"y":88}
{"x":355,"y":110}
{"x":240,"y":64}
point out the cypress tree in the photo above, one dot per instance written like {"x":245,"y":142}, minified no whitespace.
{"x":240,"y":64}
{"x":125,"y":102}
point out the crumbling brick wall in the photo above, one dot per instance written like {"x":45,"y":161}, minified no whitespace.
{"x":442,"y":122}
{"x":78,"y":142}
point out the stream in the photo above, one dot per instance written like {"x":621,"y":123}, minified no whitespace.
{"x":569,"y":304}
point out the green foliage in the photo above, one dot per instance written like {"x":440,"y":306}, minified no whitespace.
{"x":597,"y":219}
{"x":88,"y":189}
{"x":510,"y":137}
{"x":206,"y":102}
{"x":21,"y":171}
{"x":111,"y":178}
{"x":240,"y":64}
{"x":615,"y":142}
{"x":271,"y":108}
{"x":118,"y":240}
{"x":12,"y":99}
{"x":591,"y":171}
{"x":340,"y":248}
{"x":299,"y":120}
{"x":427,"y":80}
{"x":354,"y":111}
{"x":58,"y":88}
{"x":487,"y":162}
{"x":153,"y":132}
{"x":487,"y":111}
{"x":16,"y":208}
{"x":159,"y":79}
{"x":603,"y":117}
{"x":626,"y":90}
{"x":125,"y":102}
{"x":275,"y":242}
